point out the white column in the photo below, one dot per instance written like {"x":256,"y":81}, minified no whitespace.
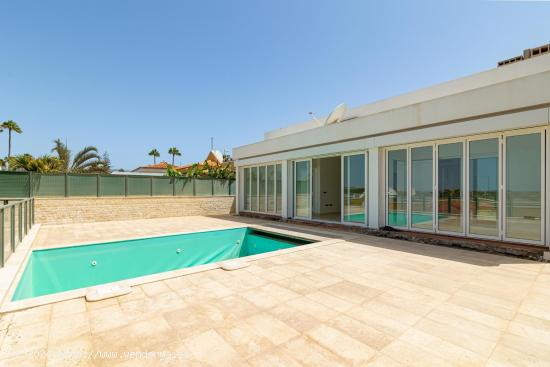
{"x":375,"y":204}
{"x":284,"y":189}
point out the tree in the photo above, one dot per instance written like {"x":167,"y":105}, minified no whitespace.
{"x":174,"y":152}
{"x":10,"y":126}
{"x":155,"y":154}
{"x":43,"y":164}
{"x":86,"y":160}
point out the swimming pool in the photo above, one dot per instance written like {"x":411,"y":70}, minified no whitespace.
{"x":56,"y":270}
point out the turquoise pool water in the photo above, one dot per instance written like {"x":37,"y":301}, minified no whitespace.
{"x":61,"y":269}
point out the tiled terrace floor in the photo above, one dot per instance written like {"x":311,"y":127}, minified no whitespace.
{"x":368,"y":301}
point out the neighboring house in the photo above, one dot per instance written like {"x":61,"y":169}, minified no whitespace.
{"x":214,"y":158}
{"x":468,"y":157}
{"x":153,"y":168}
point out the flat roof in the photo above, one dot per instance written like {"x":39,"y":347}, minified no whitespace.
{"x":455,"y":99}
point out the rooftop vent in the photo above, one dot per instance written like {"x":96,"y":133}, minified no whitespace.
{"x":527,"y":54}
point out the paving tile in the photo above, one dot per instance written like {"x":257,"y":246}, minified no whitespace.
{"x":297,"y":320}
{"x":69,"y":307}
{"x":24,"y":339}
{"x":154,"y":288}
{"x":272,"y":328}
{"x":63,"y":329}
{"x":273,"y":359}
{"x":308,"y":353}
{"x":362,"y":332}
{"x":135,"y":337}
{"x":40,"y":314}
{"x":209,"y":347}
{"x":351,"y":350}
{"x":107,"y":318}
{"x":351,"y":292}
{"x":247,"y":341}
{"x":336,"y":303}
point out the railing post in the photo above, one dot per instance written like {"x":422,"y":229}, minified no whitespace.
{"x":32,"y":211}
{"x":12,"y":228}
{"x":174,"y":186}
{"x":20,"y":222}
{"x":194,"y":188}
{"x":25,"y":210}
{"x":2,"y":237}
{"x":212,"y":185}
{"x":125,"y":185}
{"x":151,"y":185}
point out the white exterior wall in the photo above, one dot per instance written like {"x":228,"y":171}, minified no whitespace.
{"x":512,"y":97}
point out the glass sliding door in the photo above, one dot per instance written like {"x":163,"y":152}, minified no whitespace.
{"x":483,"y":201}
{"x":450,"y":190}
{"x":246,"y":173}
{"x":271,"y":188}
{"x":397,"y":188}
{"x":302,"y":188}
{"x":326,"y":188}
{"x":523,"y":191}
{"x":422,"y":188}
{"x":254,"y":189}
{"x":262,"y":188}
{"x":354,"y":188}
{"x":278,"y":189}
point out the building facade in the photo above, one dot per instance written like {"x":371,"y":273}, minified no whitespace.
{"x":467,"y":157}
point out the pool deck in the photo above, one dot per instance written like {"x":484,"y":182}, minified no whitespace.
{"x":366,"y":301}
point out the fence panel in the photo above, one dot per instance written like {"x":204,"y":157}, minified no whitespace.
{"x":232,"y":187}
{"x":184,"y":187}
{"x":221,"y":187}
{"x":163,"y":186}
{"x":203,"y":187}
{"x":139,"y":186}
{"x":81,"y":185}
{"x":112,"y":185}
{"x":14,"y":184}
{"x":48,"y":184}
{"x":21,"y":184}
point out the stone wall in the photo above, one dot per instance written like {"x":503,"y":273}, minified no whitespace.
{"x":93,"y":209}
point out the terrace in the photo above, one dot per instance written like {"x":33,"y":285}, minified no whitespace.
{"x":356,"y":300}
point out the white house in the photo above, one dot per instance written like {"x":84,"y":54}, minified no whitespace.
{"x":466,"y":157}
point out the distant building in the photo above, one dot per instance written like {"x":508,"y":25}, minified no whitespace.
{"x":213,"y":159}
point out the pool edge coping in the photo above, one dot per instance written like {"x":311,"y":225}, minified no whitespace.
{"x":7,"y":305}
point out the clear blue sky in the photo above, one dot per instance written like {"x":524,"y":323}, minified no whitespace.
{"x":128,"y":76}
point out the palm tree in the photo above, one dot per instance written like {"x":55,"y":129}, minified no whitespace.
{"x":10,"y":126}
{"x":174,"y":152}
{"x":86,"y":160}
{"x":155,"y":154}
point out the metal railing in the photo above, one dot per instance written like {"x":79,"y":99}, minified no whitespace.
{"x":17,"y":219}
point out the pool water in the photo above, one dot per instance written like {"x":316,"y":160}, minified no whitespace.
{"x":61,"y":269}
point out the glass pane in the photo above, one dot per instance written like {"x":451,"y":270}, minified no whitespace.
{"x":397,"y":187}
{"x":262,"y":190}
{"x":523,"y":187}
{"x":278,"y":188}
{"x":247,"y":189}
{"x":326,"y":175}
{"x":354,"y":188}
{"x":254,"y":189}
{"x":422,"y":188}
{"x":483,"y":201}
{"x":302,"y":189}
{"x":271,"y":188}
{"x":450,"y":187}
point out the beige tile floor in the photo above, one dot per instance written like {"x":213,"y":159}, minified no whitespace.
{"x":364,"y":302}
